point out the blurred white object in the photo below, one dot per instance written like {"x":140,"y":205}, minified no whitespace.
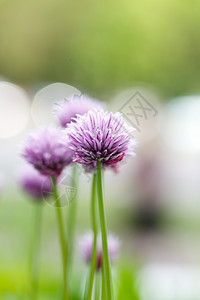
{"x":180,"y":133}
{"x":44,"y":100}
{"x":181,"y":130}
{"x":169,"y":282}
{"x":14,"y":109}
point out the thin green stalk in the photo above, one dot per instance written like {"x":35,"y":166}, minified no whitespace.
{"x":97,"y":286}
{"x":71,"y":216}
{"x":94,"y":227}
{"x":103,"y":224}
{"x":62,"y":236}
{"x":34,"y":250}
{"x":103,"y":285}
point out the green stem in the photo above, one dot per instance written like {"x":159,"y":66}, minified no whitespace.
{"x":34,"y":250}
{"x":97,"y":286}
{"x":94,"y":227}
{"x":62,"y":236}
{"x":102,"y":217}
{"x":103,"y":286}
{"x":71,"y":216}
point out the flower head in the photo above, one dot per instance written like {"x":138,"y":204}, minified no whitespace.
{"x":68,"y":108}
{"x":86,"y":244}
{"x":100,"y":136}
{"x":47,"y":150}
{"x":33,"y":183}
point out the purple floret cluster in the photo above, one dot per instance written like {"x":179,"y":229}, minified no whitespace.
{"x":86,"y":247}
{"x":47,"y":149}
{"x":99,"y":136}
{"x":67,"y":109}
{"x":34,"y":183}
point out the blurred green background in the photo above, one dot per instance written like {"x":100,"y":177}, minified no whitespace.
{"x":102,"y":46}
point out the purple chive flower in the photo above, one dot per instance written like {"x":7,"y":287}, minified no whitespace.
{"x":86,"y":245}
{"x":34,"y":183}
{"x":100,"y":136}
{"x":48,"y":151}
{"x":68,"y":108}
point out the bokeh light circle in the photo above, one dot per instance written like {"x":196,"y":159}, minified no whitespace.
{"x":44,"y":101}
{"x":14,"y":110}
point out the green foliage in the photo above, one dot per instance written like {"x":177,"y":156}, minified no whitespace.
{"x":101,"y":46}
{"x":127,"y":286}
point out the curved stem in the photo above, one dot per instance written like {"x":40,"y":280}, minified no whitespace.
{"x":62,"y":236}
{"x":103,"y":224}
{"x":34,"y":251}
{"x":94,"y":227}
